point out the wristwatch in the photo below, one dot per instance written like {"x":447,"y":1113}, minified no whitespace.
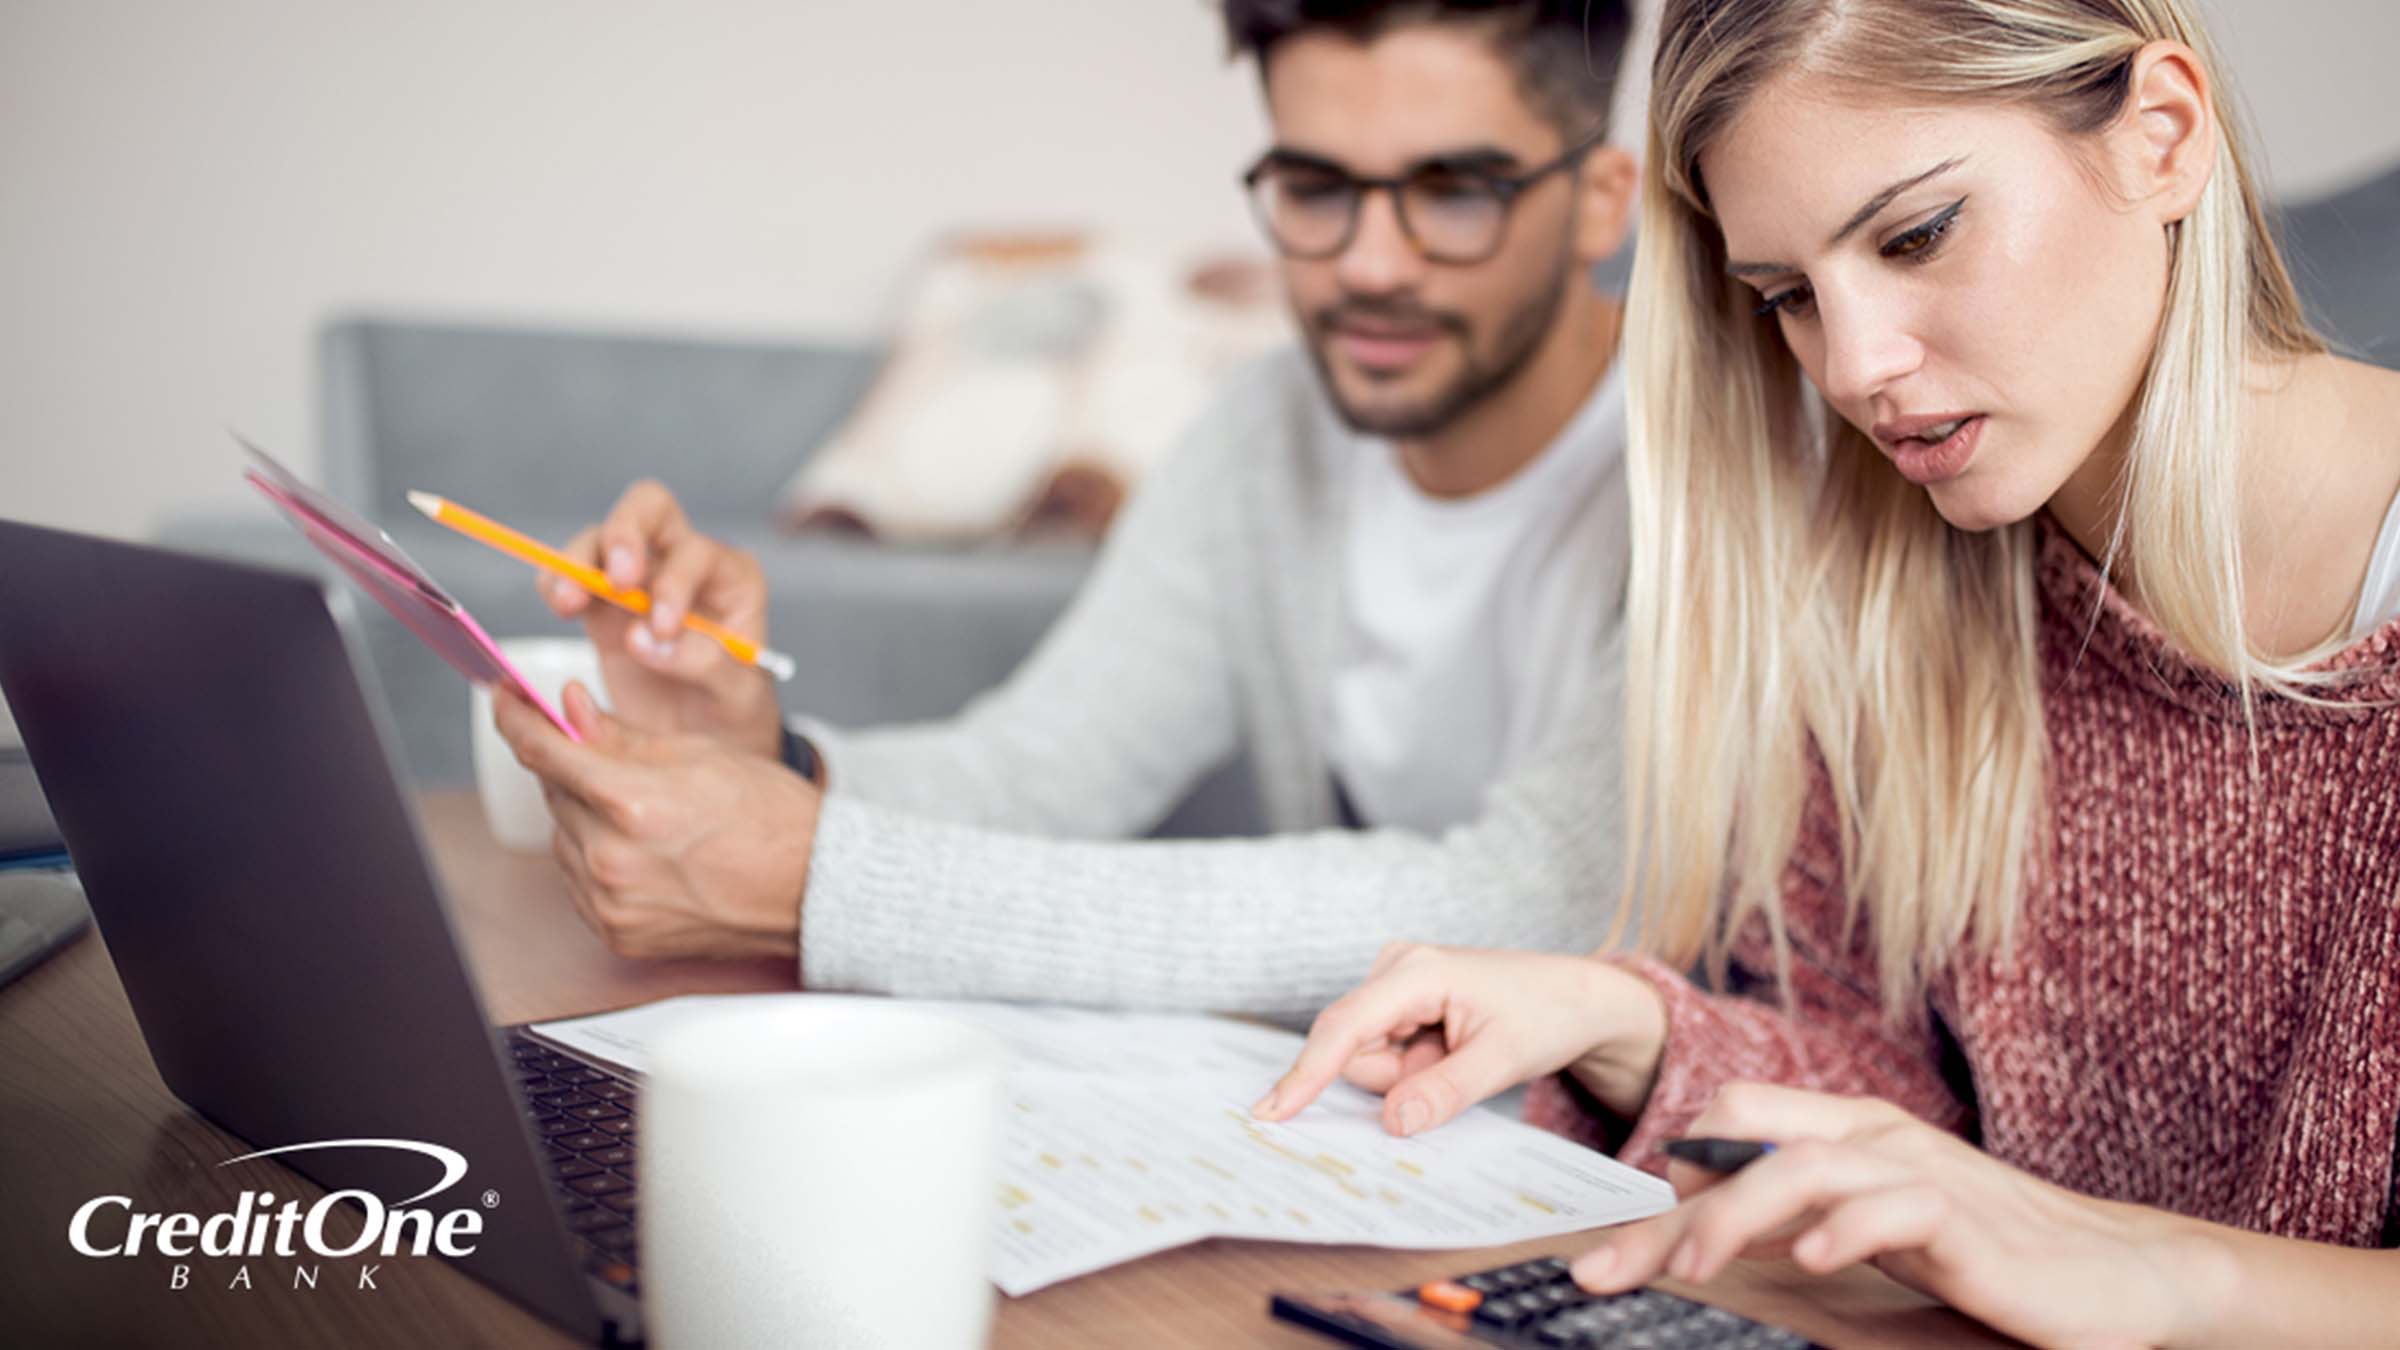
{"x":801,"y":757}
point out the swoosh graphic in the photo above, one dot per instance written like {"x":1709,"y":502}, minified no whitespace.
{"x":454,"y":1163}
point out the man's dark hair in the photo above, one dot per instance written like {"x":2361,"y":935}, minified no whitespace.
{"x":1565,"y":52}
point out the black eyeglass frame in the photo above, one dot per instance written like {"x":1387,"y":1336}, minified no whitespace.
{"x":1507,"y":187}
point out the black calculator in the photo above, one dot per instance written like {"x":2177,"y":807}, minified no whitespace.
{"x":1532,"y":1305}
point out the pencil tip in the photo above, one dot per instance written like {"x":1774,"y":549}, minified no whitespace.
{"x":775,"y":663}
{"x":425,"y":502}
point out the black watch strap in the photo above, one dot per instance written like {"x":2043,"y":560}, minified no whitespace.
{"x":801,"y":757}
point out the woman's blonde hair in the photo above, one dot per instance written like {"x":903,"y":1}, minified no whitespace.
{"x":1792,"y":596}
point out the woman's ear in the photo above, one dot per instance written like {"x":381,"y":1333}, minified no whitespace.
{"x":1609,"y":178}
{"x":2165,"y":141}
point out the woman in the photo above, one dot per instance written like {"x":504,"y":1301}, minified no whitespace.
{"x":2008,"y":725}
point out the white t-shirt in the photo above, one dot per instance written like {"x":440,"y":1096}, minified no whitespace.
{"x":2379,"y":597}
{"x":1470,"y":624}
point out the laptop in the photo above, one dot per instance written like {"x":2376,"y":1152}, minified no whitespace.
{"x":222,"y":774}
{"x":41,"y":907}
{"x":28,"y":836}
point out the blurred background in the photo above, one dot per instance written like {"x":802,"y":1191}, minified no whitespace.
{"x":189,"y":189}
{"x":516,"y":250}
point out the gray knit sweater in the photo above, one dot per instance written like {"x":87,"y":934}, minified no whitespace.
{"x":990,"y":855}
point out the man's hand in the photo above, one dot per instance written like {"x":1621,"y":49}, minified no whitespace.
{"x":662,"y":678}
{"x":673,"y":845}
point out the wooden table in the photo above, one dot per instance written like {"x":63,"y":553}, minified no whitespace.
{"x":82,"y":1113}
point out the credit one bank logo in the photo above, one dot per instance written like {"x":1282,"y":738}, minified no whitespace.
{"x":256,"y":1227}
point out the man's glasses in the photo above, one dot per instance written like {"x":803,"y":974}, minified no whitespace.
{"x":1451,"y":215}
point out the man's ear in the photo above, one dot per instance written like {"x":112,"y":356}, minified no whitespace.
{"x":2164,"y":143}
{"x":1609,"y":179}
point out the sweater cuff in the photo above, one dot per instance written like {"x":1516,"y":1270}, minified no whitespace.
{"x":1560,"y":1105}
{"x":1687,"y":1079}
{"x":887,"y":912}
{"x":836,"y":943}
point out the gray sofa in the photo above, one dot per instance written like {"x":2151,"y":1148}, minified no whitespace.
{"x":2344,"y":252}
{"x":543,"y":428}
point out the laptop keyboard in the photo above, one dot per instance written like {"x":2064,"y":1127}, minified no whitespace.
{"x":584,"y":1118}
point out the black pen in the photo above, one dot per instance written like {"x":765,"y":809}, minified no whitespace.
{"x":1725,"y":1156}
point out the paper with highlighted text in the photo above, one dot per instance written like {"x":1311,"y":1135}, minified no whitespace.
{"x":1130,"y":1133}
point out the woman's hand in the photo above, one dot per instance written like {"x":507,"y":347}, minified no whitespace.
{"x":660,"y":678}
{"x":1853,"y":1179}
{"x":1436,"y":1030}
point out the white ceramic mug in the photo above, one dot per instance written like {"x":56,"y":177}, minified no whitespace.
{"x":821,"y":1173}
{"x":512,"y":797}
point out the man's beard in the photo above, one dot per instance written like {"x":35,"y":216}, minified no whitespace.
{"x":1480,"y":375}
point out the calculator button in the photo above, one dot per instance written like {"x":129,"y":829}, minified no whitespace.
{"x":1449,"y":1296}
{"x":1556,"y":1296}
{"x":1566,"y":1331}
{"x":1506,"y":1311}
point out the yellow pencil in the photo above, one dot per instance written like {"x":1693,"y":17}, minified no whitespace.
{"x":485,"y":530}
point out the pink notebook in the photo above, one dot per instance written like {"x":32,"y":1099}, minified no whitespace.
{"x":359,"y":548}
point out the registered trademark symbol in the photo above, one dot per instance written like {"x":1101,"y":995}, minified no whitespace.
{"x":491,"y":1199}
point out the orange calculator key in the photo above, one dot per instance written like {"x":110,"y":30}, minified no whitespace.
{"x":1449,"y":1296}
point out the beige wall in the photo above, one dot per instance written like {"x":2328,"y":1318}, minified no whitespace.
{"x":186,"y":188}
{"x":2317,"y":77}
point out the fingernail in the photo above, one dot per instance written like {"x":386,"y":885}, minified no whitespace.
{"x":663,"y":619}
{"x":1413,"y":1116}
{"x":620,"y":564}
{"x":1591,"y":1269}
{"x":1265,"y":1106}
{"x":1685,"y":1262}
{"x":1811,"y":1249}
{"x":642,"y":638}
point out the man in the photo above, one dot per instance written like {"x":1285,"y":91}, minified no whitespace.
{"x":1389,"y":567}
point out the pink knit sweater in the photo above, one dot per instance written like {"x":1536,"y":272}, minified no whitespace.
{"x":2202,"y":1011}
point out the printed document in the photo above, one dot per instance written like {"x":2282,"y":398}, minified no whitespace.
{"x":1130,"y":1133}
